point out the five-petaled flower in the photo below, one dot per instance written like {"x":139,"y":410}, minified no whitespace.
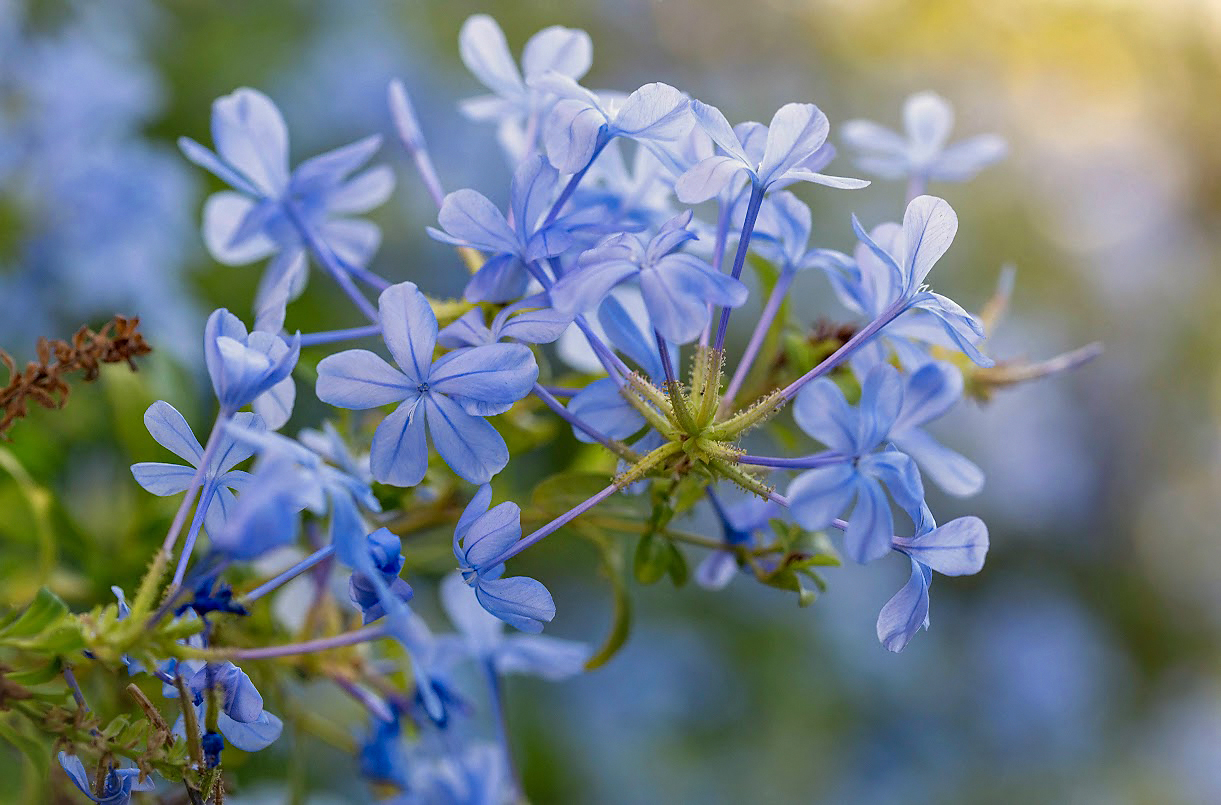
{"x":448,"y":398}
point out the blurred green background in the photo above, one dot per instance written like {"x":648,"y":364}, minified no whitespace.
{"x":1082,"y":665}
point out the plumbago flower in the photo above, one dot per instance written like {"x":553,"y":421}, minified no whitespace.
{"x":529,"y":321}
{"x":220,"y":479}
{"x":954,"y":549}
{"x":277,"y":213}
{"x":516,"y":105}
{"x":117,"y":786}
{"x":480,"y":538}
{"x":677,"y":287}
{"x":448,"y":398}
{"x":793,"y":140}
{"x":929,"y":226}
{"x":922,"y":154}
{"x":470,"y":219}
{"x":248,"y":368}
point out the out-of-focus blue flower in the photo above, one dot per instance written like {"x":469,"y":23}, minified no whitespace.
{"x":677,"y":287}
{"x":633,"y":195}
{"x":600,"y":404}
{"x":928,"y":393}
{"x":382,"y":756}
{"x":475,"y":774}
{"x":529,"y":321}
{"x":385,"y":550}
{"x":242,"y":720}
{"x":742,"y":522}
{"x":100,"y":213}
{"x":470,"y":219}
{"x":266,"y":515}
{"x":782,"y":233}
{"x":482,"y":637}
{"x":220,"y":479}
{"x":791,"y":152}
{"x":329,"y":444}
{"x":515,"y":105}
{"x":852,"y":469}
{"x":481,"y":536}
{"x":957,"y":548}
{"x":275,"y":212}
{"x":922,"y":154}
{"x":448,"y":398}
{"x":245,"y":367}
{"x":582,"y":123}
{"x":897,"y":277}
{"x":118,"y":785}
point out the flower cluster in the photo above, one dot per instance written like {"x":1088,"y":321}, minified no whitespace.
{"x":631,"y":270}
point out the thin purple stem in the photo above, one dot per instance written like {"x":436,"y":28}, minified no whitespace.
{"x":375,"y":704}
{"x":171,"y":537}
{"x":739,"y":259}
{"x":201,"y":509}
{"x":718,"y":260}
{"x":663,"y":351}
{"x":372,"y":632}
{"x":756,"y":338}
{"x":915,"y":187}
{"x":502,"y":731}
{"x":331,"y":336}
{"x":614,"y":367}
{"x":560,"y":391}
{"x":331,"y":262}
{"x":77,"y":695}
{"x":838,"y":356}
{"x":289,"y":574}
{"x":572,"y":419}
{"x":826,"y":459}
{"x":555,"y":525}
{"x":571,"y":187}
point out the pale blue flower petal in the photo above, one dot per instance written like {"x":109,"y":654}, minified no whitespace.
{"x":409,"y":328}
{"x":469,"y":444}
{"x":358,"y":379}
{"x":485,"y":52}
{"x":870,"y":526}
{"x":399,"y":455}
{"x":818,"y":496}
{"x":250,"y":135}
{"x":519,"y":601}
{"x":905,"y":613}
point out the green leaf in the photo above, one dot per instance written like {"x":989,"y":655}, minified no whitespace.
{"x":36,"y":751}
{"x":621,"y":619}
{"x":36,"y":676}
{"x":652,"y":560}
{"x":116,"y":725}
{"x":45,"y":610}
{"x":678,"y":570}
{"x":788,"y":579}
{"x":564,"y":491}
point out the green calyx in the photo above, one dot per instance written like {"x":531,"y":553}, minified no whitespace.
{"x":698,"y":440}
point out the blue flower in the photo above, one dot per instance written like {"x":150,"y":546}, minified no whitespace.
{"x":782,"y":234}
{"x":529,"y":321}
{"x":242,"y":720}
{"x":448,"y":398}
{"x":248,"y":368}
{"x":928,"y":393}
{"x":742,"y":522}
{"x":923,"y":153}
{"x":266,"y":515}
{"x":677,"y":287}
{"x":385,"y":552}
{"x":470,"y":219}
{"x":957,"y":548}
{"x":515,"y":105}
{"x":382,"y":758}
{"x":600,"y":404}
{"x":277,"y":213}
{"x":482,"y":637}
{"x":853,"y":470}
{"x":220,"y":479}
{"x":481,"y":536}
{"x":897,"y":278}
{"x":117,"y":786}
{"x":582,"y":123}
{"x":791,"y":151}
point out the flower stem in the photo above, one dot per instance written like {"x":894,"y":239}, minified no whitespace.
{"x":825,"y":459}
{"x":555,"y":525}
{"x":201,"y":509}
{"x":571,"y":187}
{"x":838,"y":356}
{"x":558,"y":408}
{"x":756,"y":338}
{"x":288,"y":575}
{"x":371,"y":632}
{"x":407,"y":126}
{"x":739,"y":259}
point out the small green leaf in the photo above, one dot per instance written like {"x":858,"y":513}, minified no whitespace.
{"x":38,"y":616}
{"x":35,"y":676}
{"x":612,"y":563}
{"x":652,"y":560}
{"x":679,"y":573}
{"x":116,"y":725}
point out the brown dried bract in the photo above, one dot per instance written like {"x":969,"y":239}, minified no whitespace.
{"x":43,"y":380}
